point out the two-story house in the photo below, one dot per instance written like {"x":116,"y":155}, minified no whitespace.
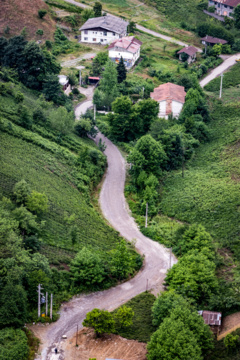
{"x":128,"y":48}
{"x":103,"y":30}
{"x":224,"y":7}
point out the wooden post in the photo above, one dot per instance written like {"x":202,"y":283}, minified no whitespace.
{"x":221,"y":82}
{"x":146,"y":219}
{"x":51,"y":305}
{"x":46,"y":303}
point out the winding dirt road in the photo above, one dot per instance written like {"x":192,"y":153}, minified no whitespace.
{"x":151,"y":277}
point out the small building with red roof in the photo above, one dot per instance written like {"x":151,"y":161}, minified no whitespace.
{"x":210,"y":41}
{"x":170,"y":97}
{"x":128,"y":48}
{"x":191,"y":51}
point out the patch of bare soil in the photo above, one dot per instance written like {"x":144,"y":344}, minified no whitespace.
{"x":24,"y":13}
{"x":110,"y":346}
{"x":230,"y":323}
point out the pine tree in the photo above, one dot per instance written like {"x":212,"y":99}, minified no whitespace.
{"x":122,"y":72}
{"x":97,"y":8}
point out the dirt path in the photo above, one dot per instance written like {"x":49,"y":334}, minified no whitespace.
{"x":230,"y":61}
{"x":74,"y":62}
{"x":230,"y":323}
{"x":151,"y":277}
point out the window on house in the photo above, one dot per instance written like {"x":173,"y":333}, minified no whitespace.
{"x":94,"y":39}
{"x":105,"y":33}
{"x":86,"y":39}
{"x":101,"y":40}
{"x":113,"y":34}
{"x":85,"y":31}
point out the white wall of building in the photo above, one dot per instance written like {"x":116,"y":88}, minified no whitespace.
{"x":126,"y":55}
{"x":103,"y":37}
{"x":176,"y":108}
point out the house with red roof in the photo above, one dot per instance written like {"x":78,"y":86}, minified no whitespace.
{"x":210,"y":41}
{"x":170,"y":97}
{"x":128,"y":48}
{"x":191,"y":51}
{"x":224,"y":7}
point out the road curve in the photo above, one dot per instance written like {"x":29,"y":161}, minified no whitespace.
{"x":151,"y":277}
{"x":220,"y":69}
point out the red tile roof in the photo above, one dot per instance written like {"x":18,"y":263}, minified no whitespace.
{"x":232,"y":3}
{"x":94,"y":78}
{"x":190,"y":50}
{"x":211,"y":317}
{"x":169,"y":91}
{"x":213,"y":40}
{"x":129,"y":43}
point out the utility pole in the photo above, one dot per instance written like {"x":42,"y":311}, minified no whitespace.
{"x":170,"y":258}
{"x":46,"y":303}
{"x":94,"y":108}
{"x":80,"y":77}
{"x":221,"y":82}
{"x":77,"y":337}
{"x":146,"y":215}
{"x":147,"y":286}
{"x":143,"y":92}
{"x":39,"y":299}
{"x":51,"y":304}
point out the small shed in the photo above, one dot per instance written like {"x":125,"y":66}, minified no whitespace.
{"x":63,"y":80}
{"x":93,"y":79}
{"x":191,"y":51}
{"x":210,"y":41}
{"x":213,"y":319}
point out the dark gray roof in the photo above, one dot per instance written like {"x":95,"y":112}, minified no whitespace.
{"x":108,"y":22}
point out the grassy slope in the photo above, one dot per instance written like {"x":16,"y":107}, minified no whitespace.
{"x":53,"y":174}
{"x":209,"y":192}
{"x":142,"y":327}
{"x":18,"y":14}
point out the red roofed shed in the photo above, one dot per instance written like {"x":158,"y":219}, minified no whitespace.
{"x":213,"y":319}
{"x":191,"y":51}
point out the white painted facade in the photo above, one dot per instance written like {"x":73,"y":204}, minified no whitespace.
{"x":116,"y":54}
{"x":98,"y":36}
{"x":176,"y":108}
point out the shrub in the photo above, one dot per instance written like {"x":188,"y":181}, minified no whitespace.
{"x":42,"y":13}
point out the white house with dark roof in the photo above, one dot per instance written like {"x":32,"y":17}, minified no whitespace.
{"x":224,"y":7}
{"x":103,"y":30}
{"x":170,"y":97}
{"x":128,"y":48}
{"x":211,"y":41}
{"x":191,"y":51}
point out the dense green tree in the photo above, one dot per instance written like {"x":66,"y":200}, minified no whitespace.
{"x":194,"y":237}
{"x":51,"y":65}
{"x":122,"y":72}
{"x":231,"y":342}
{"x":13,"y":344}
{"x":165,"y":304}
{"x":97,"y":8}
{"x":193,"y":276}
{"x":173,"y":341}
{"x":123,"y":317}
{"x":25,"y":118}
{"x":108,"y":83}
{"x":87,"y":14}
{"x":37,"y":202}
{"x":236,"y":15}
{"x":13,"y":52}
{"x":52,"y":89}
{"x":147,"y":111}
{"x":100,"y":320}
{"x":98,"y":62}
{"x":26,"y":221}
{"x":21,"y":191}
{"x":131,"y":27}
{"x":147,"y":155}
{"x":87,"y":269}
{"x":13,"y":305}
{"x":42,"y":13}
{"x":62,"y":121}
{"x":121,"y":263}
{"x":3,"y":44}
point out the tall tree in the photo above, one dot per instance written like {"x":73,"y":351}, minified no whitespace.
{"x":13,"y":52}
{"x":3,"y":44}
{"x":237,"y":16}
{"x":62,"y":121}
{"x":109,"y":83}
{"x":97,"y":8}
{"x":100,"y":320}
{"x":122,"y":72}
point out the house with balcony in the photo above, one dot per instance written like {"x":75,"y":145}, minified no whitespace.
{"x":128,"y":48}
{"x":224,"y":7}
{"x":103,"y":30}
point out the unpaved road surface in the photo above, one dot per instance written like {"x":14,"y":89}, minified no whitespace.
{"x":151,"y":277}
{"x":230,"y":61}
{"x":74,"y":62}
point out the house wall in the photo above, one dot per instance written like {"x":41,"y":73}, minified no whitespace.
{"x":98,"y":36}
{"x":221,"y":9}
{"x":190,"y":58}
{"x":128,"y":57}
{"x":176,"y":109}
